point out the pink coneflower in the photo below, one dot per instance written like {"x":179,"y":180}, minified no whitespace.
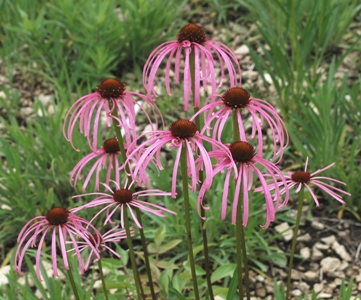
{"x":305,"y":179}
{"x":107,"y":156}
{"x":111,"y":236}
{"x":207,"y":54}
{"x":180,"y":131}
{"x":62,"y":224}
{"x":124,"y":198}
{"x":110,"y":95}
{"x":242,"y":164}
{"x":260,"y":111}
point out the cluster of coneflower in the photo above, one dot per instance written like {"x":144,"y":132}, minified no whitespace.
{"x":197,"y":63}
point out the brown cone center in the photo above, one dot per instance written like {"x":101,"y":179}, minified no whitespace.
{"x":111,"y":88}
{"x":123,"y":196}
{"x":236,"y":98}
{"x":111,"y":146}
{"x":301,"y":177}
{"x":192,"y":33}
{"x":183,"y":129}
{"x":57,"y":216}
{"x":242,"y":152}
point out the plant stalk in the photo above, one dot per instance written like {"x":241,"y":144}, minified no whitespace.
{"x":102,"y":278}
{"x":293,"y":247}
{"x":73,"y":285}
{"x":183,"y":160}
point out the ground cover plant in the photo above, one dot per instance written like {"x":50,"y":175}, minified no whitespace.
{"x":51,"y":47}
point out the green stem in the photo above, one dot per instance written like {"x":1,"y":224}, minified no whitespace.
{"x":197,"y":121}
{"x":293,"y":247}
{"x":236,"y":134}
{"x":146,"y":256}
{"x":73,"y":285}
{"x":137,"y":280}
{"x":138,"y":283}
{"x":183,"y":160}
{"x":102,"y":278}
{"x":241,"y":249}
{"x":241,"y":243}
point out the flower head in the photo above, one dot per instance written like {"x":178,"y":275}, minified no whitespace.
{"x":192,"y":40}
{"x":112,"y":99}
{"x":260,"y":111}
{"x":124,"y":198}
{"x":100,"y":241}
{"x":240,"y":166}
{"x":181,"y":132}
{"x":107,"y":157}
{"x":63,"y":226}
{"x":302,"y":179}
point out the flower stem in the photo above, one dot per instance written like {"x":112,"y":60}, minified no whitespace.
{"x":73,"y":285}
{"x":102,"y":278}
{"x":183,"y":160}
{"x":137,"y":280}
{"x":241,"y":249}
{"x":241,"y":243}
{"x":293,"y":247}
{"x":138,"y":283}
{"x":146,"y":256}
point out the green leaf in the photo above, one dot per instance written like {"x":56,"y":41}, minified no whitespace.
{"x":168,"y":246}
{"x":223,"y":271}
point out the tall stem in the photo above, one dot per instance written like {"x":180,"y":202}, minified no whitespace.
{"x":138,"y":284}
{"x":102,"y":278}
{"x":183,"y":160}
{"x":73,"y":285}
{"x":241,"y":243}
{"x":197,"y":121}
{"x":293,"y":247}
{"x":137,"y":280}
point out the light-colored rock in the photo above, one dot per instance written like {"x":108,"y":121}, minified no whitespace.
{"x":45,"y":99}
{"x":329,"y":240}
{"x":324,"y":296}
{"x":341,"y":251}
{"x":243,"y":50}
{"x":359,"y":286}
{"x":318,"y":287}
{"x":311,"y":276}
{"x":330,"y":264}
{"x":305,"y":252}
{"x":296,"y":293}
{"x":316,"y":254}
{"x":304,"y":238}
{"x":321,"y":246}
{"x":3,"y":272}
{"x":285,"y":230}
{"x":259,"y":278}
{"x":317,"y":225}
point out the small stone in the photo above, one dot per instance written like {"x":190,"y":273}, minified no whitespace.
{"x":317,"y":225}
{"x":318,"y":287}
{"x":304,"y":238}
{"x":338,"y":281}
{"x":45,"y":99}
{"x":321,"y":246}
{"x":359,"y":286}
{"x":303,"y":286}
{"x":330,"y":264}
{"x":329,"y":240}
{"x":316,"y":254}
{"x":3,"y":272}
{"x":259,"y":278}
{"x":295,"y":275}
{"x":296,"y":293}
{"x":311,"y":276}
{"x":243,"y":50}
{"x":268,"y":78}
{"x":285,"y":231}
{"x":341,"y":251}
{"x":305,"y":252}
{"x":324,"y":295}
